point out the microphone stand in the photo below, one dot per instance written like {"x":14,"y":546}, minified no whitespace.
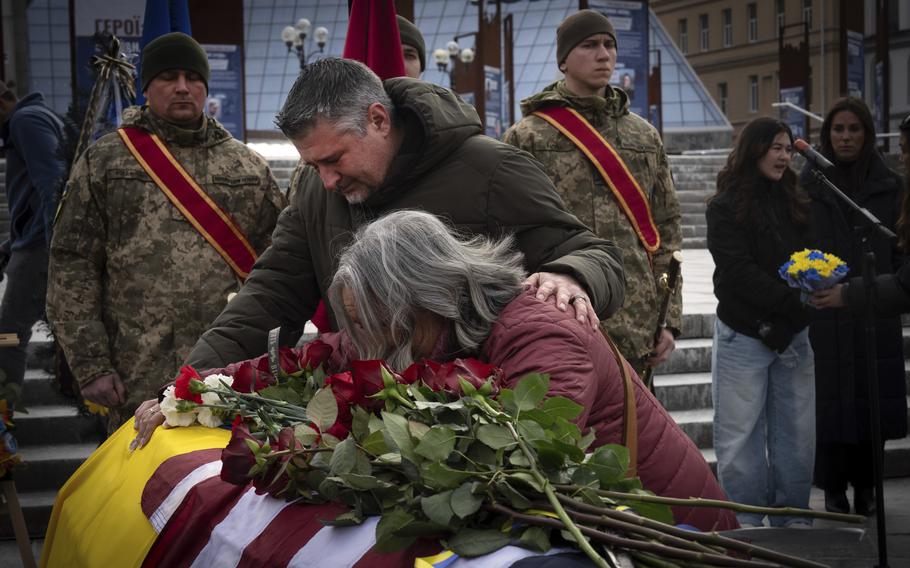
{"x":870,"y":226}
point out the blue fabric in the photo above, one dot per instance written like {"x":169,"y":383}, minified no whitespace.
{"x":764,"y":422}
{"x":161,"y":17}
{"x":31,"y":137}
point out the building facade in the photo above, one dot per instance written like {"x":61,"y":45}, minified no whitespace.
{"x":734,"y":47}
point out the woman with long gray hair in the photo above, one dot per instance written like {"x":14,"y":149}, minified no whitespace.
{"x":409,"y":289}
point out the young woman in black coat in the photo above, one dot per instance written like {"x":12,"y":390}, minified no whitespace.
{"x":763,"y":381}
{"x":844,"y":449}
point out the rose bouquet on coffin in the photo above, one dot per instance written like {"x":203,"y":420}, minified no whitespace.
{"x":811,"y":270}
{"x":442,"y":451}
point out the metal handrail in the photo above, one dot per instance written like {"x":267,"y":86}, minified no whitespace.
{"x":799,"y":109}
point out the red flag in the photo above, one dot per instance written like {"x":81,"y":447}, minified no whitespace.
{"x":373,"y":37}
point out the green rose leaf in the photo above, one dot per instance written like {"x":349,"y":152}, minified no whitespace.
{"x":439,"y":476}
{"x":655,"y":511}
{"x":396,"y":427}
{"x":526,"y":479}
{"x":585,"y":475}
{"x":360,"y":482}
{"x":374,"y":444}
{"x":561,"y":407}
{"x":437,"y":507}
{"x":418,"y":429}
{"x":531,"y":431}
{"x":517,"y":500}
{"x":322,"y":409}
{"x":495,"y":436}
{"x":530,"y":390}
{"x":472,"y":542}
{"x":507,"y":399}
{"x":464,"y":502}
{"x":344,"y":457}
{"x":391,"y":523}
{"x":535,"y":538}
{"x":304,"y":434}
{"x":360,"y":424}
{"x":437,"y":443}
{"x":349,"y":519}
{"x":610,"y":463}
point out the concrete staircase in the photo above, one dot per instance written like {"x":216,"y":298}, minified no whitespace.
{"x":54,"y":439}
{"x":695,"y":178}
{"x":683,"y":386}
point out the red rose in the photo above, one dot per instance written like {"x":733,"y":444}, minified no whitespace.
{"x":236,"y":457}
{"x":444,"y":376}
{"x":314,"y":353}
{"x":182,"y":384}
{"x":368,"y":381}
{"x":247,"y":378}
{"x":342,"y":385}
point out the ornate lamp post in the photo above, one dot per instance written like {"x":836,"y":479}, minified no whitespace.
{"x":294,"y":37}
{"x":452,"y":52}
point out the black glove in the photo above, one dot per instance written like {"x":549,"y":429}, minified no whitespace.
{"x":775,"y":335}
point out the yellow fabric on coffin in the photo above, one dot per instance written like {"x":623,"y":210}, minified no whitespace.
{"x":97,"y":519}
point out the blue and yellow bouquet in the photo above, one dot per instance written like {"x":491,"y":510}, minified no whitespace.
{"x":813,"y":270}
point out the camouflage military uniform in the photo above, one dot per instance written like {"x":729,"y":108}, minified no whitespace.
{"x":587,"y":196}
{"x":132,"y":285}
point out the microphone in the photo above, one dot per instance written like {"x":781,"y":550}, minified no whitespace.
{"x":820,"y":162}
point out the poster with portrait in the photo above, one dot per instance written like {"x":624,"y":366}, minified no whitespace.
{"x":856,"y":64}
{"x":630,"y":20}
{"x":492,"y":84}
{"x":794,"y":119}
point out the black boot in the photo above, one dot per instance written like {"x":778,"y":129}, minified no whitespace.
{"x":836,"y":502}
{"x":864,"y":501}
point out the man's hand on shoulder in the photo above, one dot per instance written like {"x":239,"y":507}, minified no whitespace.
{"x":565,"y":290}
{"x":106,"y":390}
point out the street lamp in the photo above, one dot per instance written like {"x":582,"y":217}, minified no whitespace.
{"x":295,"y":37}
{"x":452,"y":51}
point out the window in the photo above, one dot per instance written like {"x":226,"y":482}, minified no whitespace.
{"x":781,"y":17}
{"x":703,"y":32}
{"x":807,"y":12}
{"x":722,"y":97}
{"x":753,"y":93}
{"x":728,"y":27}
{"x":683,"y":36}
{"x":752,"y":10}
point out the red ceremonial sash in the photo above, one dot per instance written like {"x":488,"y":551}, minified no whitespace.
{"x":619,"y":179}
{"x":212,"y":222}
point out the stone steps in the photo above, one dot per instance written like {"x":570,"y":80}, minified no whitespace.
{"x":695,"y":178}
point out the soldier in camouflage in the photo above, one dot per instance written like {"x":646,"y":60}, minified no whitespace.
{"x":586,"y":54}
{"x":132,"y":284}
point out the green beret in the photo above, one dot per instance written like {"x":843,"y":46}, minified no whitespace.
{"x":410,"y":35}
{"x":577,"y":27}
{"x":175,"y":50}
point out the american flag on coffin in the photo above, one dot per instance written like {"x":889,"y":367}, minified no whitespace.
{"x":203,"y":521}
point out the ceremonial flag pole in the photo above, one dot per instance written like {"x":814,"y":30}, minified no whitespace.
{"x":161,"y":17}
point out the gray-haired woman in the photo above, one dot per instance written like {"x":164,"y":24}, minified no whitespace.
{"x":408,"y":289}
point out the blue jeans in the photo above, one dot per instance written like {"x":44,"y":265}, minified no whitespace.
{"x":764,"y":422}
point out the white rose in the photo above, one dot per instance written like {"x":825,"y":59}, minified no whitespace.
{"x":172,"y":416}
{"x":214,"y":381}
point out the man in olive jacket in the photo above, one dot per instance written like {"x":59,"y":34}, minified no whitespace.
{"x":370,"y":148}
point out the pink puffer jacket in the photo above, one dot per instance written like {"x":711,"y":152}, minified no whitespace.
{"x":534,"y":336}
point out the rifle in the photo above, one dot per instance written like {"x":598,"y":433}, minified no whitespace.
{"x":668,"y":283}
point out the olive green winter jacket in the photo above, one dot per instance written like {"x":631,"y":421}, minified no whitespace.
{"x":446,"y":167}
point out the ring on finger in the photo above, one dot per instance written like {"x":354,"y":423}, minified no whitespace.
{"x":577,"y":297}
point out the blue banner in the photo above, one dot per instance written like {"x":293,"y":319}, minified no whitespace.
{"x":492,"y":84}
{"x":794,"y":119}
{"x":225,"y":101}
{"x":630,"y":21}
{"x":856,"y":64}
